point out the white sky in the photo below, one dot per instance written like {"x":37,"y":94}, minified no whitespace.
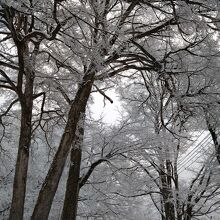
{"x":103,"y":108}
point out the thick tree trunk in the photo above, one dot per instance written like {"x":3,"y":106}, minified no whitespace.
{"x":26,"y":100}
{"x":49,"y":187}
{"x":72,"y":186}
{"x":188,"y":213}
{"x":20,"y":179}
{"x":166,"y":191}
{"x":170,"y":202}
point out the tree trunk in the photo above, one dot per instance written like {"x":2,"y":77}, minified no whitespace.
{"x":170,"y":202}
{"x":176,"y":184}
{"x":166,"y":191}
{"x":49,"y":187}
{"x":20,"y":179}
{"x":72,"y":186}
{"x":188,"y":214}
{"x":26,"y":100}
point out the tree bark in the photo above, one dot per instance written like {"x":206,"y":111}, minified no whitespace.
{"x":170,"y":202}
{"x":188,"y":212}
{"x":166,"y":191}
{"x":26,"y":101}
{"x":213,"y":133}
{"x":72,"y":186}
{"x":176,"y":185}
{"x":215,"y":141}
{"x":49,"y":187}
{"x":20,"y":179}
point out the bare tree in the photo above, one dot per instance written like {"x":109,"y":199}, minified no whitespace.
{"x":85,"y":42}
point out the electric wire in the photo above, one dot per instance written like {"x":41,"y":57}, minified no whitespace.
{"x":204,"y":147}
{"x":198,"y":155}
{"x":185,"y":168}
{"x":182,"y":158}
{"x":194,"y":151}
{"x":192,"y":157}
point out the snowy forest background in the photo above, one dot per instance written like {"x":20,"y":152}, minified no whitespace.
{"x":62,"y":61}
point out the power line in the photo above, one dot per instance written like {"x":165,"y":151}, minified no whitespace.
{"x":204,"y":145}
{"x":190,"y":155}
{"x":212,"y":156}
{"x":199,"y":150}
{"x":194,"y":149}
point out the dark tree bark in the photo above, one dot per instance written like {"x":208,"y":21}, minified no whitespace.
{"x":20,"y":179}
{"x":170,"y":203}
{"x":26,"y":101}
{"x":188,"y":214}
{"x":214,"y":136}
{"x":166,"y":191}
{"x":72,"y":186}
{"x":49,"y":187}
{"x":176,"y":185}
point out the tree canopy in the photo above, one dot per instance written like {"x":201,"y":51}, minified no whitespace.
{"x":160,"y":58}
